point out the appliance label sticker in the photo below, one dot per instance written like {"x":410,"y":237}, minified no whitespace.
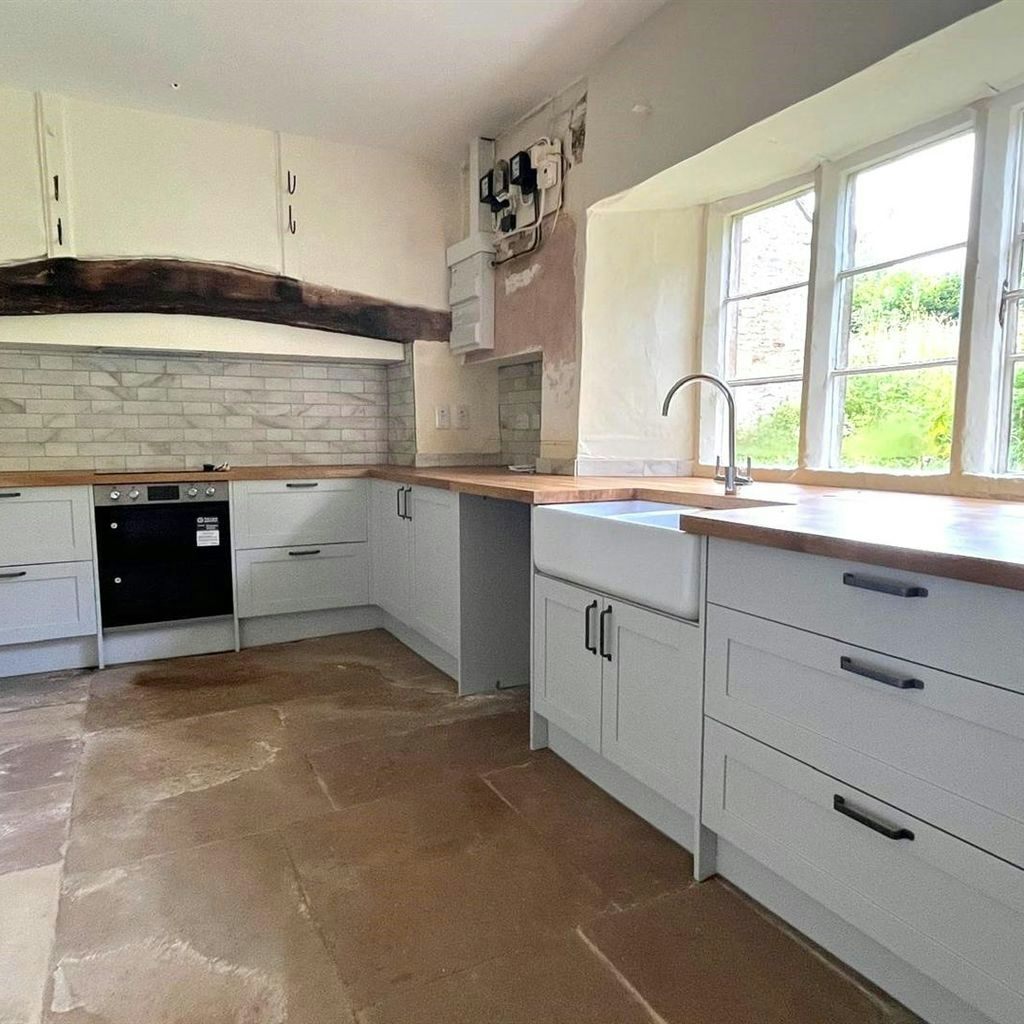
{"x":207,"y":531}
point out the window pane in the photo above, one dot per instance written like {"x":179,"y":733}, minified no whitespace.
{"x":900,"y":420}
{"x":767,"y":424}
{"x":909,"y":313}
{"x":1015,"y":460}
{"x":765,"y":336}
{"x":774,"y":246}
{"x":918,"y":202}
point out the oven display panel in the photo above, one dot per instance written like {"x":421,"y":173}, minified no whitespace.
{"x":163,"y":492}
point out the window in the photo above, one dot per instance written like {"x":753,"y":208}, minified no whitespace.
{"x":1012,"y":460}
{"x":764,"y":325}
{"x":899,"y":290}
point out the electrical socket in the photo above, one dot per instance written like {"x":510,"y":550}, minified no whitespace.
{"x":462,"y":417}
{"x":442,"y":417}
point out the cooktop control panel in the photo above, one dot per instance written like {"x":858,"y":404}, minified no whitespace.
{"x":141,"y":494}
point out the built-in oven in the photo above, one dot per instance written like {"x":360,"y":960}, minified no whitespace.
{"x":164,"y":552}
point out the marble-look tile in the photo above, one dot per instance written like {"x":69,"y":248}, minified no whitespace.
{"x":40,"y":689}
{"x":627,"y":858}
{"x":216,"y":934}
{"x":707,"y":954}
{"x":430,"y":882}
{"x":30,"y":765}
{"x":41,"y":724}
{"x":28,"y":914}
{"x":152,"y":789}
{"x":353,"y":773}
{"x":33,"y":827}
{"x":554,"y":982}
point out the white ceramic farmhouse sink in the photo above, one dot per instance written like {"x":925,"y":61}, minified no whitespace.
{"x":631,"y":549}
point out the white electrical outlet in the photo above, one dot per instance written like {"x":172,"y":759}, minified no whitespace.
{"x":442,"y":417}
{"x":462,"y":417}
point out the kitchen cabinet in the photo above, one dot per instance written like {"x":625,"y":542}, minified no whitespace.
{"x":21,"y":199}
{"x":158,"y":185}
{"x":415,"y":553}
{"x":46,"y":602}
{"x":45,"y":524}
{"x":393,"y":248}
{"x":277,"y":513}
{"x":624,"y":680}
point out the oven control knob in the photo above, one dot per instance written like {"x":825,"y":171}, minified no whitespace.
{"x":133,"y":494}
{"x":211,"y":491}
{"x":192,"y":492}
{"x":115,"y":494}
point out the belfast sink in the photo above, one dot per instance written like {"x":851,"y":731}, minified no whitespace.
{"x":630,"y":549}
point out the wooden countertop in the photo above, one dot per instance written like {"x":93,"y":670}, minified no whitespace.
{"x":964,"y":538}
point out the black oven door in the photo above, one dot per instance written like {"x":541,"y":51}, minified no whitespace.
{"x":163,"y":563}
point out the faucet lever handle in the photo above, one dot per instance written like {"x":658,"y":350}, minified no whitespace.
{"x":718,"y":468}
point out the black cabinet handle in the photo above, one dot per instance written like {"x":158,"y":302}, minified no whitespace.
{"x":883,"y":586}
{"x":11,"y":494}
{"x":398,"y":502}
{"x":586,"y":627}
{"x":13,"y":575}
{"x":889,"y":831}
{"x":879,"y":675}
{"x":604,"y":654}
{"x":311,"y":551}
{"x":314,"y":483}
{"x":60,"y":232}
{"x":405,"y":504}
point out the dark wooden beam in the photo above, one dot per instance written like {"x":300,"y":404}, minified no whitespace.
{"x":66,"y":285}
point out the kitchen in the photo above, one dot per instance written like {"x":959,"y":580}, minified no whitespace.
{"x":389,"y":628}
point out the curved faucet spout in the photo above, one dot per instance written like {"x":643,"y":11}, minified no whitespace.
{"x":731,"y":476}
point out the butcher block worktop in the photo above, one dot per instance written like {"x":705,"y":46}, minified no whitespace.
{"x":971,"y":539}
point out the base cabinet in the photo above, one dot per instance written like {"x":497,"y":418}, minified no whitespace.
{"x":46,"y":602}
{"x":390,"y":549}
{"x":625,"y":681}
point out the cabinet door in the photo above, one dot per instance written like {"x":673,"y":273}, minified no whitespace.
{"x":275,"y":513}
{"x":46,"y":602}
{"x":393,"y":248}
{"x":45,"y":524}
{"x":652,"y":713}
{"x":390,"y":569}
{"x":434,"y":584}
{"x":23,"y":235}
{"x":566,"y":685}
{"x":147,"y":184}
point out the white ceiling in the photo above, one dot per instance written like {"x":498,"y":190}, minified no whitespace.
{"x":417,"y":75}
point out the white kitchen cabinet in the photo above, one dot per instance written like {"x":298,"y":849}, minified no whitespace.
{"x":45,"y":524}
{"x":651,"y":721}
{"x":434,"y":584}
{"x":391,"y":548}
{"x":23,"y":233}
{"x":46,"y":602}
{"x":392,"y":249}
{"x":278,"y":581}
{"x":278,"y":513}
{"x":566,"y":687}
{"x":148,"y":184}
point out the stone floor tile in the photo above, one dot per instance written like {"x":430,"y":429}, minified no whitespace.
{"x":355,"y":772}
{"x":29,"y":765}
{"x":706,"y":955}
{"x":33,"y":827}
{"x":556,"y":982}
{"x":28,"y":914}
{"x":41,"y":724}
{"x":152,"y":789}
{"x":216,"y":934}
{"x":432,"y":881}
{"x":627,"y":858}
{"x":35,"y":691}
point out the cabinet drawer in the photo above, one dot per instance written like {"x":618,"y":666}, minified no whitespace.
{"x":45,"y":602}
{"x":951,"y":910}
{"x":965,"y":628}
{"x":957,"y":744}
{"x":276,"y":513}
{"x":44,"y":524}
{"x":302,"y":579}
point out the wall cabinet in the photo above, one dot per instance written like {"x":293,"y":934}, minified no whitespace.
{"x":415,"y":545}
{"x":147,"y":184}
{"x":23,"y":236}
{"x":624,"y":680}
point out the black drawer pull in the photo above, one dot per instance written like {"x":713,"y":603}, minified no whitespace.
{"x":889,"y":831}
{"x":586,"y":627}
{"x":879,"y":675}
{"x":13,"y":575}
{"x":311,"y":551}
{"x":315,"y":483}
{"x":883,"y":586}
{"x":11,"y":494}
{"x":604,"y":653}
